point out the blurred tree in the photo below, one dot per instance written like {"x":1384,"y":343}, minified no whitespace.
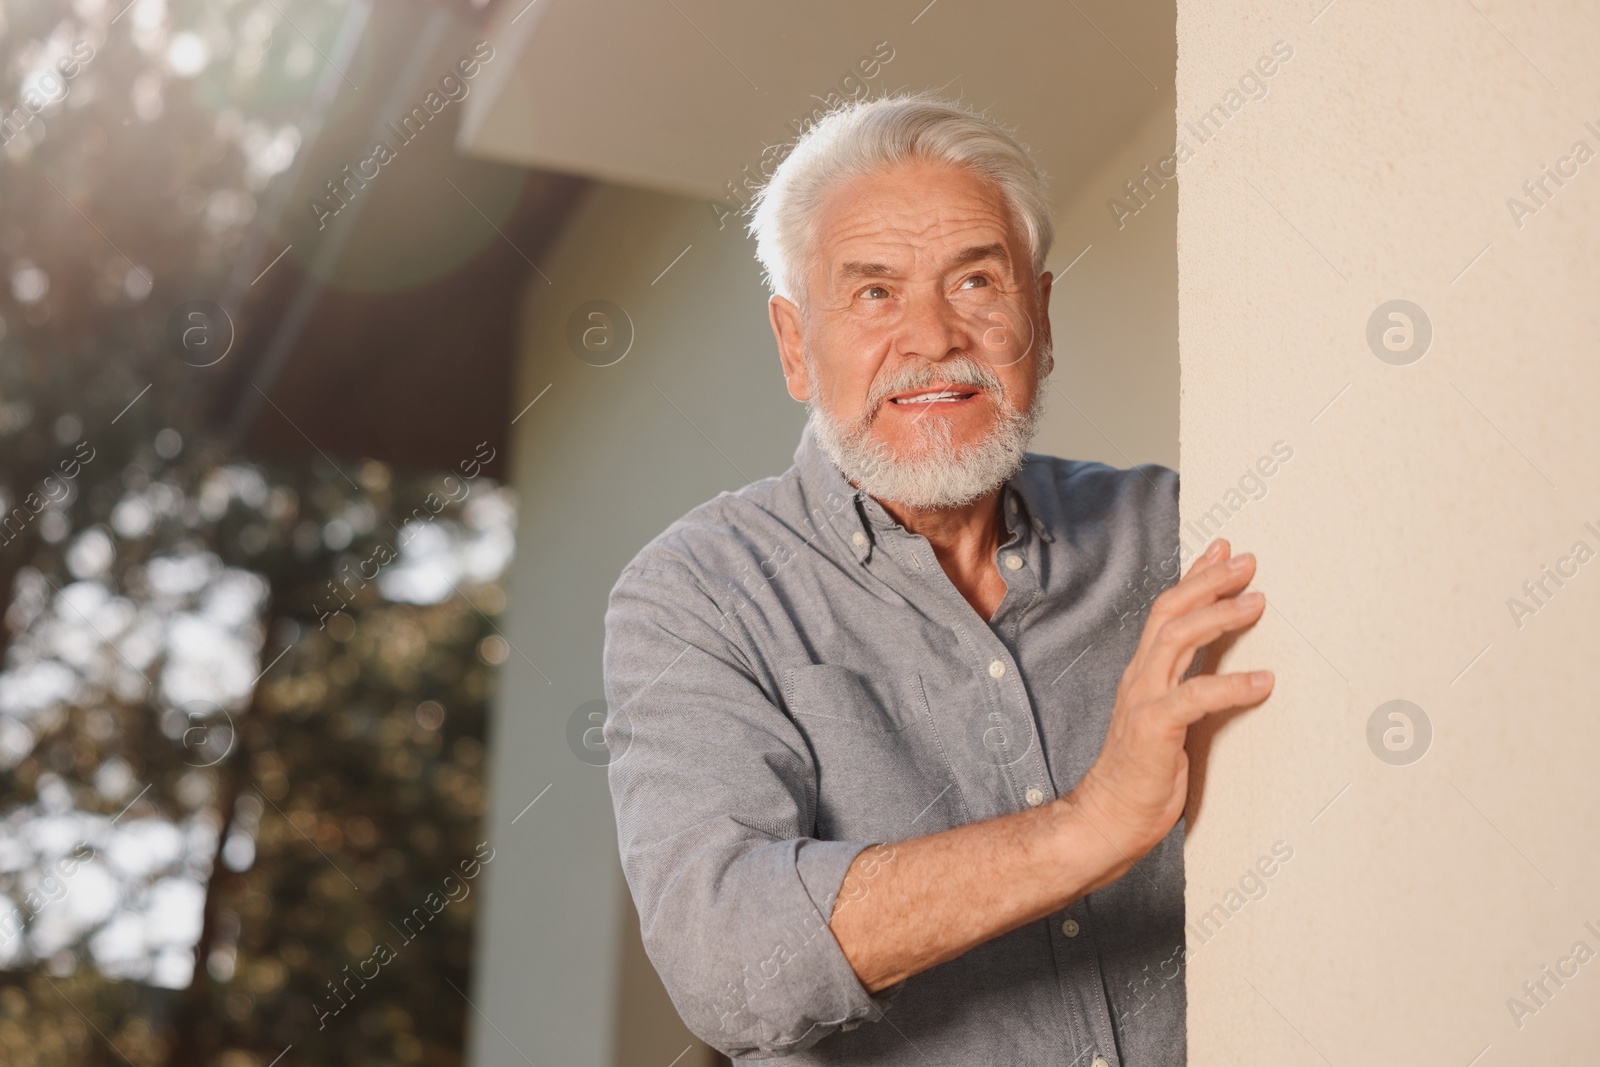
{"x":243,"y":700}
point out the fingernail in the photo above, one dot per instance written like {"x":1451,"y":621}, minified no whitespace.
{"x":1214,"y":550}
{"x":1259,"y":679}
{"x":1238,"y":562}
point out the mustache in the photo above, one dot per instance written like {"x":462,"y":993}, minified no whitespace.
{"x":957,"y":370}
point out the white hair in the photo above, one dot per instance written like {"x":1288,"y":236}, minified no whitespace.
{"x":862,"y":136}
{"x":941,"y":475}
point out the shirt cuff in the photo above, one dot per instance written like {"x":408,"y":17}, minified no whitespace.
{"x":821,"y":866}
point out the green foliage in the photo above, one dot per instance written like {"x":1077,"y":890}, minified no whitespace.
{"x":299,"y":818}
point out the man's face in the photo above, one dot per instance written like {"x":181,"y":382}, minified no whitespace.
{"x":924,"y":341}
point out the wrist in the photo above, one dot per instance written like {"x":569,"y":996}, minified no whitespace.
{"x":1090,"y":839}
{"x":1132,"y":825}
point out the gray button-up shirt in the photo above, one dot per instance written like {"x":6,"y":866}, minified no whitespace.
{"x":792,"y":678}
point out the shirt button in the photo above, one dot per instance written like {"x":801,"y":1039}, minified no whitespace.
{"x":996,"y":668}
{"x":858,"y":538}
{"x":1038,"y":524}
{"x":1014,"y":563}
{"x":1013,"y":503}
{"x":1069,"y":927}
{"x":1099,"y":1061}
{"x":1034,"y":796}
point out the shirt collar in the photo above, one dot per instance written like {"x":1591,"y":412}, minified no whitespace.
{"x":1018,"y":494}
{"x":828,"y":490}
{"x":860,"y":520}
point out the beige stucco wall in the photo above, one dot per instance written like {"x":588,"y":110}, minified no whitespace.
{"x":608,"y":456}
{"x":1419,"y":897}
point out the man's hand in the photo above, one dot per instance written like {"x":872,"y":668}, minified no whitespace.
{"x":949,"y":891}
{"x":1136,"y":789}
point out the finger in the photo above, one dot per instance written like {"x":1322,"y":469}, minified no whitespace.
{"x":1223,"y":578}
{"x":1215,"y":552}
{"x":1179,"y":639}
{"x":1206,"y":694}
{"x":1207,"y":587}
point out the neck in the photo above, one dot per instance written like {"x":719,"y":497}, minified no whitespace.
{"x":964,"y":540}
{"x":969,"y":530}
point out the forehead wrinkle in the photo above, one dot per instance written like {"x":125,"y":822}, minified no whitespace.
{"x":935,"y":228}
{"x":865,"y":199}
{"x":852,"y":269}
{"x":931,"y":226}
{"x":975,"y":253}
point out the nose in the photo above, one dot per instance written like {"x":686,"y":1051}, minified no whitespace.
{"x":932,"y":328}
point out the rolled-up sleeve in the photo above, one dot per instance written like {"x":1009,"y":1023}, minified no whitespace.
{"x":714,"y":790}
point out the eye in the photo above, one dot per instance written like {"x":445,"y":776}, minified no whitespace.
{"x":984,"y":278}
{"x":874,"y":289}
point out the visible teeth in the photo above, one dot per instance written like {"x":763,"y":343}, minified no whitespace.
{"x":928,"y":398}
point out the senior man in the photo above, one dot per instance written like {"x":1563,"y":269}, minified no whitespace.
{"x":898,"y":737}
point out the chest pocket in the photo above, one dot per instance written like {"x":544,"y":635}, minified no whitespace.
{"x":826,"y":695}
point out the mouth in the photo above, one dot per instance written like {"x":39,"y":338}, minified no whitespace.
{"x":926,"y":397}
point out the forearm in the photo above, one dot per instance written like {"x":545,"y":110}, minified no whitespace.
{"x":911,"y":905}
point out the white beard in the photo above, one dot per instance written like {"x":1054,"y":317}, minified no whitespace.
{"x":940,"y":475}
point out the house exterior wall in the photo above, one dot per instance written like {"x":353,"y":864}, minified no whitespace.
{"x":1366,"y":887}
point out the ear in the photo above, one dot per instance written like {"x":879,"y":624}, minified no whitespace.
{"x":787,"y":329}
{"x":1045,"y":281}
